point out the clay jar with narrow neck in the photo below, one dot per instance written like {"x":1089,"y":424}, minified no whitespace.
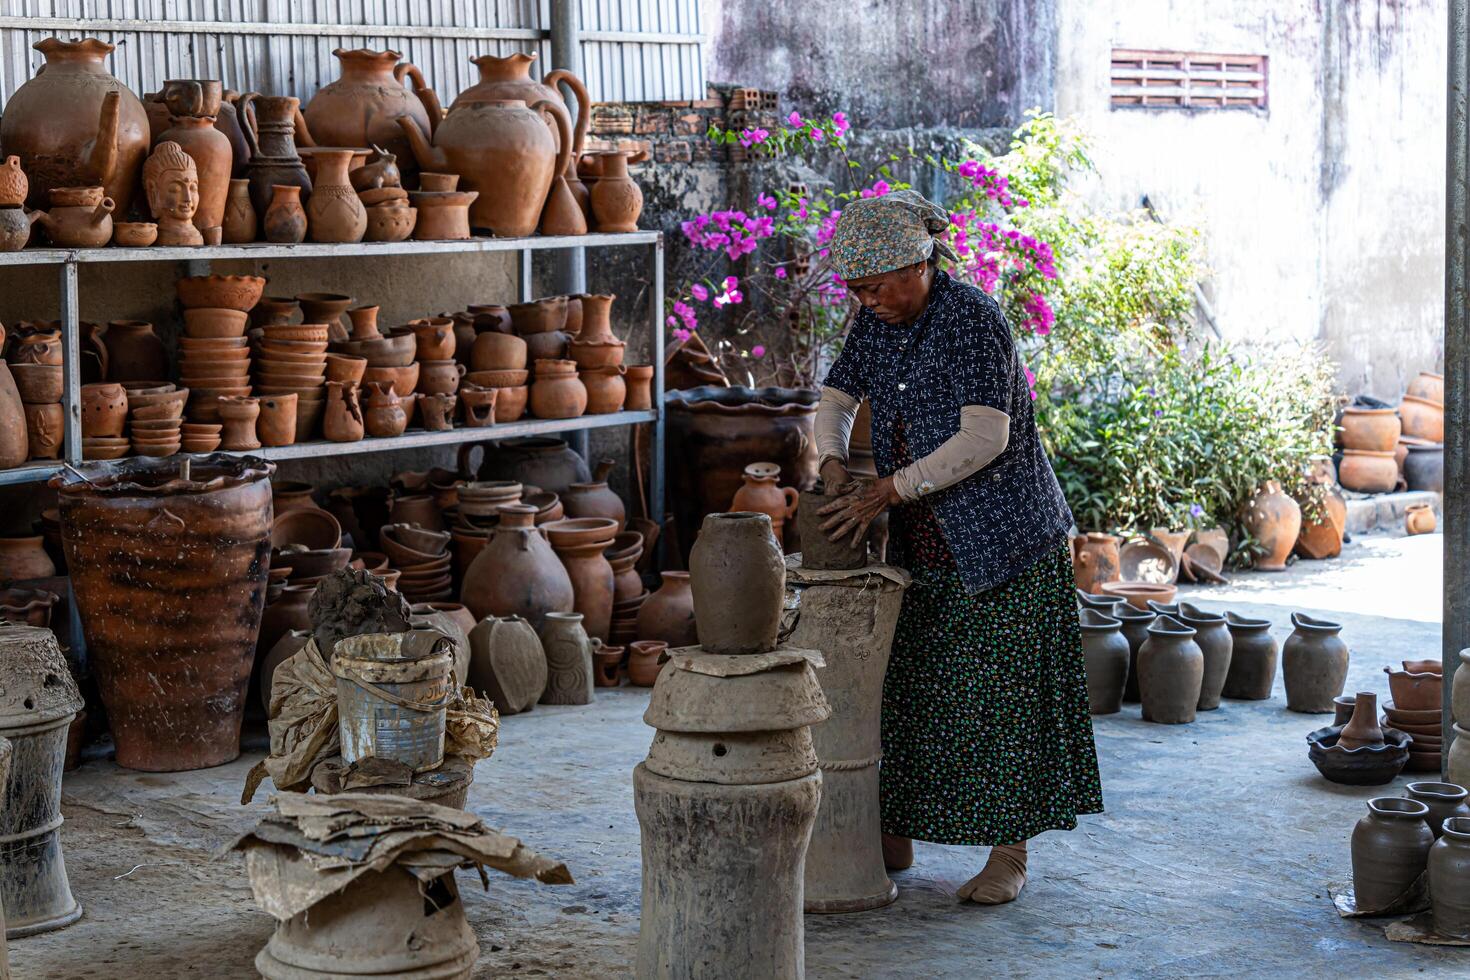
{"x":761,"y":494}
{"x":596,"y":320}
{"x":510,"y":78}
{"x":334,"y":213}
{"x":739,"y":579}
{"x":1170,"y":671}
{"x":580,"y":543}
{"x":596,"y":498}
{"x":1390,"y":848}
{"x":1314,"y":664}
{"x":240,"y":223}
{"x":363,"y":106}
{"x":1105,"y":652}
{"x":1274,"y":520}
{"x":285,"y":219}
{"x":193,"y":106}
{"x":269,"y":125}
{"x":1253,"y":655}
{"x":568,"y":659}
{"x":517,"y":573}
{"x":1449,"y":879}
{"x":1362,"y":728}
{"x":1212,"y":635}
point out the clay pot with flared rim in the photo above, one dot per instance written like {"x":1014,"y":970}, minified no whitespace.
{"x":436,"y":412}
{"x":433,"y":338}
{"x":364,"y":319}
{"x":739,"y":581}
{"x":760,"y":493}
{"x":1213,"y":637}
{"x":204,"y":322}
{"x":668,"y":614}
{"x":1170,"y":671}
{"x":639,"y":379}
{"x":1362,"y":727}
{"x":1342,"y":708}
{"x":1449,"y":877}
{"x":645,"y":661}
{"x":1368,"y":472}
{"x":345,"y":367}
{"x":1428,"y":386}
{"x":1390,"y":849}
{"x":1274,"y":520}
{"x":1105,"y":652}
{"x":439,"y":377}
{"x":617,"y":200}
{"x":1095,"y":560}
{"x":606,"y":354}
{"x":24,"y":557}
{"x":481,"y":406}
{"x":517,"y":573}
{"x":342,"y":420}
{"x":1253,"y":655}
{"x":494,"y":351}
{"x":240,"y":224}
{"x":239,"y":415}
{"x":363,"y":105}
{"x":1444,"y":800}
{"x":579,"y":543}
{"x":1373,"y":429}
{"x":231,"y":292}
{"x":1314,"y":664}
{"x":45,"y":430}
{"x":595,"y":498}
{"x":284,"y":221}
{"x":1415,"y":691}
{"x":596,"y":319}
{"x":605,"y":389}
{"x":1422,"y":419}
{"x":1420,"y":519}
{"x":509,"y":78}
{"x":104,"y":409}
{"x":557,"y":392}
{"x":277,"y":423}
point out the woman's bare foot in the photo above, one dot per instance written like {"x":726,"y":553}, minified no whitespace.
{"x":1001,"y":879}
{"x":898,"y":852}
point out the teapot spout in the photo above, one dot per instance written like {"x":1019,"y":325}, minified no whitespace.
{"x":429,"y":157}
{"x":103,"y":209}
{"x":102,"y":161}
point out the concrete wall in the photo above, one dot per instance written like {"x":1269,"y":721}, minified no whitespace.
{"x":1323,"y":213}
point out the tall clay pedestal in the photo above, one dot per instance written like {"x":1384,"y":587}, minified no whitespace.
{"x":726,"y":801}
{"x":850,"y":616}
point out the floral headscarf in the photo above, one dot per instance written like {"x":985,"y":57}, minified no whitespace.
{"x":879,"y":234}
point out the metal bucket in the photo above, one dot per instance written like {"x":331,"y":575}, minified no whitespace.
{"x":392,"y":691}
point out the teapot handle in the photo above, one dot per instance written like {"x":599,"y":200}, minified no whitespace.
{"x":584,"y":105}
{"x":427,"y":97}
{"x":245,"y":109}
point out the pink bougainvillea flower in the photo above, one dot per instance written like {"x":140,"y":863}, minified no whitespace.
{"x":758,"y":351}
{"x":817,"y":135}
{"x":780,"y":272}
{"x":682,"y":335}
{"x":795,"y":118}
{"x":766,"y":201}
{"x":671,"y":320}
{"x":699,"y":292}
{"x":839,"y":123}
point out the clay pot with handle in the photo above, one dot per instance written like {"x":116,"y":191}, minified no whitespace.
{"x":78,"y":226}
{"x":269,"y":124}
{"x":363,"y":106}
{"x":510,"y":78}
{"x":761,"y":493}
{"x":617,"y":200}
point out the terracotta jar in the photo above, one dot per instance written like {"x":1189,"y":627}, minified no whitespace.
{"x":607,"y":666}
{"x":362,"y":107}
{"x":14,"y":185}
{"x":1095,"y":560}
{"x":1422,"y":419}
{"x":595,"y":498}
{"x":507,"y":663}
{"x":761,"y":494}
{"x":557,"y":392}
{"x":239,"y":414}
{"x":1444,"y":800}
{"x":504,"y":152}
{"x":439,"y":377}
{"x":78,"y":226}
{"x":1105,"y":652}
{"x":568,"y":659}
{"x":495,"y":351}
{"x":510,"y":78}
{"x":1424,"y":467}
{"x":277,"y":423}
{"x":443,"y":215}
{"x":1420,"y":519}
{"x":342,"y":421}
{"x":539,"y":461}
{"x":1449,"y":879}
{"x":616,"y":199}
{"x":580,"y":543}
{"x":596,"y":319}
{"x":1253,"y":655}
{"x":668,"y":614}
{"x":285,"y":219}
{"x":334,"y":213}
{"x":606,"y":390}
{"x":25,"y":557}
{"x":364,"y":319}
{"x":15,"y":228}
{"x":547,"y":346}
{"x":240,"y":224}
{"x":1373,"y":429}
{"x":433,"y":338}
{"x":193,"y":106}
{"x":739,"y":583}
{"x":544,"y":315}
{"x":645,"y":661}
{"x":1362,"y":728}
{"x":1428,"y":386}
{"x":1212,"y":636}
{"x":133,"y":352}
{"x":517,"y":573}
{"x":1274,"y":520}
{"x":563,"y":216}
{"x":1322,"y":538}
{"x":1170,"y":671}
{"x":1368,"y":472}
{"x":383,"y":414}
{"x":45,"y":430}
{"x":104,"y":410}
{"x":639,"y":378}
{"x":169,"y":578}
{"x":74,"y":124}
{"x":14,"y":442}
{"x":1390,"y":848}
{"x":1314,"y":664}
{"x":269,"y":124}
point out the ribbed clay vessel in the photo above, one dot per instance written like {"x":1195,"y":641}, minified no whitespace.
{"x":169,"y":577}
{"x":739,"y":582}
{"x":1314,"y":665}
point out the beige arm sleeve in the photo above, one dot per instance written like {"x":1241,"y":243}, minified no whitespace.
{"x":835,"y":414}
{"x":984,"y":433}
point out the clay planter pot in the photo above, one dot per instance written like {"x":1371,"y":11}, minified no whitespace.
{"x":1095,"y":560}
{"x":1372,"y":429}
{"x":1415,"y":692}
{"x":493,"y":351}
{"x":1253,"y":656}
{"x":668,"y":614}
{"x":1424,"y":467}
{"x":228,"y":292}
{"x":433,"y":339}
{"x":507,"y":663}
{"x":1420,"y":519}
{"x":25,"y":557}
{"x":1274,"y":520}
{"x":1314,"y":665}
{"x":1449,"y":877}
{"x":169,"y":576}
{"x":134,"y":234}
{"x":517,"y":573}
{"x":605,"y":389}
{"x":1422,"y":419}
{"x":1213,"y":637}
{"x":439,"y":377}
{"x":1390,"y":848}
{"x":38,"y":384}
{"x":211,"y":322}
{"x":580,"y":543}
{"x":345,"y":367}
{"x":761,"y":494}
{"x":645,"y":661}
{"x":1170,"y":670}
{"x":1106,"y":652}
{"x":739,"y":580}
{"x":1368,"y":472}
{"x":239,"y":415}
{"x":557,"y":392}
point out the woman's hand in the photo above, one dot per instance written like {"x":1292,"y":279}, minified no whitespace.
{"x":857,"y":509}
{"x":835,"y":476}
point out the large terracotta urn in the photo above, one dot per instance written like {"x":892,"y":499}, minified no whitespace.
{"x":668,"y":614}
{"x":74,"y":125}
{"x":1095,"y":561}
{"x":169,"y":573}
{"x":715,"y":432}
{"x":517,"y":573}
{"x":1274,"y":520}
{"x":362,"y":108}
{"x":510,"y":78}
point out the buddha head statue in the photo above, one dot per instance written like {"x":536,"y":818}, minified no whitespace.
{"x":172,"y":182}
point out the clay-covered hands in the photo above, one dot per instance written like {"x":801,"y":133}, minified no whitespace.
{"x":834,"y":474}
{"x":861,"y":503}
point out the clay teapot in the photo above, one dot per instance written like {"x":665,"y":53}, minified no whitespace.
{"x":504,"y":152}
{"x":362,"y":107}
{"x":73,"y":123}
{"x":617,"y":200}
{"x":78,"y":225}
{"x":510,"y":78}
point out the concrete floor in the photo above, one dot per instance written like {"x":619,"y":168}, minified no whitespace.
{"x":1213,"y":857}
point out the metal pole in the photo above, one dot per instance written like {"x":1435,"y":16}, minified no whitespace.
{"x":656,"y":342}
{"x":1456,"y":629}
{"x":71,"y":346}
{"x":569,"y":266}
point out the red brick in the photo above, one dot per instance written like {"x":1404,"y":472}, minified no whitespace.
{"x":678,"y":151}
{"x":690,"y":124}
{"x":651,"y":121}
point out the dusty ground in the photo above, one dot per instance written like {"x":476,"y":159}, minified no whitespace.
{"x":1213,"y":857}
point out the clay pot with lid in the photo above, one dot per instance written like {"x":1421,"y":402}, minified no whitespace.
{"x":557,"y":392}
{"x":1253,"y":655}
{"x":580,"y":543}
{"x":1314,"y":664}
{"x":595,"y":498}
{"x":362,"y":107}
{"x":668,"y":614}
{"x":517,"y":573}
{"x":170,"y":578}
{"x":742,"y":582}
{"x":74,"y":123}
{"x":1171,"y":668}
{"x":761,"y":493}
{"x":193,"y":106}
{"x":1274,"y":520}
{"x":617,"y":200}
{"x":1390,"y":850}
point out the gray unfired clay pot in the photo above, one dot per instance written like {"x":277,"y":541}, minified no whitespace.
{"x":1213,"y":638}
{"x":1253,"y":655}
{"x":1444,"y":800}
{"x":1171,"y":668}
{"x":1390,"y":848}
{"x":1105,"y":652}
{"x":1314,"y":665}
{"x":1449,"y":879}
{"x":1135,"y":630}
{"x":739,"y":582}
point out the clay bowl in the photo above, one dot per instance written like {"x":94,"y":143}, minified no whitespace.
{"x":210,"y":392}
{"x":572,"y":532}
{"x":142,"y":427}
{"x":305,"y":393}
{"x":1423,"y":716}
{"x":1423,"y":761}
{"x":171,"y":409}
{"x":345,"y":367}
{"x":1370,"y":765}
{"x":403,"y":379}
{"x":209,"y":346}
{"x":315,"y":347}
{"x":231,"y":292}
{"x":1141,"y":560}
{"x":1433,"y":729}
{"x":1423,"y":666}
{"x":395,"y":350}
{"x":193,"y":367}
{"x":426,"y":575}
{"x":134,"y":234}
{"x":1415,"y":692}
{"x":157,"y":449}
{"x":548,"y":506}
{"x":312,"y":564}
{"x":201,"y":428}
{"x":106,"y":442}
{"x":426,"y":590}
{"x":39,"y":384}
{"x":273,"y":372}
{"x":497,"y":379}
{"x":609,"y":354}
{"x":270,"y":354}
{"x":1138,"y":594}
{"x":624,"y":545}
{"x":510,"y":404}
{"x":92,"y":450}
{"x":372,"y":561}
{"x":311,"y":526}
{"x":199,"y":444}
{"x":403,"y":556}
{"x":418,"y":539}
{"x":311,"y":333}
{"x":139,"y":389}
{"x":142,"y":398}
{"x":213,"y":322}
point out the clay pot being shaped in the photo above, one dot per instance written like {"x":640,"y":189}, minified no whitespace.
{"x":596,"y":498}
{"x":14,"y":185}
{"x":1274,"y":520}
{"x":170,"y":578}
{"x":1362,"y":727}
{"x":1428,"y":386}
{"x":1375,"y":429}
{"x":1390,"y":848}
{"x":510,"y":78}
{"x":334,"y":213}
{"x":240,"y":223}
{"x":285,"y":219}
{"x":383,"y":415}
{"x":1095,"y":560}
{"x":504,"y":152}
{"x":239,"y":414}
{"x":1444,"y":800}
{"x":639,"y":379}
{"x":104,"y":410}
{"x":557,"y":392}
{"x":1253,"y":655}
{"x":1105,"y":652}
{"x":362,"y":107}
{"x":1212,"y":636}
{"x":78,"y":226}
{"x":14,"y":441}
{"x":494,"y":351}
{"x":739,"y":582}
{"x":1420,"y":519}
{"x":342,"y":421}
{"x":133,"y":351}
{"x":517,"y":573}
{"x":507,"y":663}
{"x":1449,"y":878}
{"x":538,"y":461}
{"x":1170,"y":671}
{"x":74,"y":124}
{"x":668,"y":614}
{"x":580,"y":543}
{"x":1314,"y":664}
{"x":568,"y":659}
{"x":1422,"y":419}
{"x":277,"y":423}
{"x":25,"y":557}
{"x":761,"y":494}
{"x":616,"y":199}
{"x":193,"y":105}
{"x":269,"y":125}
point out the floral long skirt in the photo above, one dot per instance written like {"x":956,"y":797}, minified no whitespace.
{"x":987,"y":737}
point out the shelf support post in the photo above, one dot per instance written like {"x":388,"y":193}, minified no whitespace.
{"x":656,"y":343}
{"x":71,"y":346}
{"x":569,"y":266}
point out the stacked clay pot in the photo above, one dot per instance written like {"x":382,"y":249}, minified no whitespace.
{"x":291,"y":365}
{"x":379,"y":188}
{"x":214,"y":356}
{"x":306,"y":546}
{"x":477,"y":512}
{"x":580,"y":543}
{"x":542,"y":324}
{"x":386,"y":359}
{"x":442,"y":209}
{"x":155,"y":414}
{"x":1369,"y":438}
{"x":440,"y":373}
{"x":497,"y":360}
{"x":1415,"y":706}
{"x":629,"y":593}
{"x":36,"y":367}
{"x":599,"y":355}
{"x":15,"y":224}
{"x":422,"y":559}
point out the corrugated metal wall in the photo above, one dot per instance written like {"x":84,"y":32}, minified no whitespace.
{"x":633,"y":50}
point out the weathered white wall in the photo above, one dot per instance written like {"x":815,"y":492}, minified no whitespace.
{"x":1324,"y":213}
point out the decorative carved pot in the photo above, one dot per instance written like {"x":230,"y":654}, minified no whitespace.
{"x":568,"y":659}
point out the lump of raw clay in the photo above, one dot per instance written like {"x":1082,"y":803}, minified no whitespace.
{"x":352,"y":602}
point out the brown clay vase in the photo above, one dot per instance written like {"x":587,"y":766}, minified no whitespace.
{"x":14,"y":441}
{"x":1253,"y":656}
{"x":1322,"y":538}
{"x":1375,"y":429}
{"x":1274,"y":520}
{"x":334,"y":213}
{"x":193,"y":105}
{"x":1314,"y":664}
{"x":580,"y":543}
{"x":1105,"y":653}
{"x":1390,"y":849}
{"x":134,"y":351}
{"x":1362,"y":728}
{"x":362,"y":107}
{"x":539,"y":461}
{"x":739,"y":582}
{"x":1212,"y":636}
{"x":1095,"y":560}
{"x":507,"y":664}
{"x":169,"y":577}
{"x":1449,"y":878}
{"x":25,"y":557}
{"x":616,"y":199}
{"x":1135,"y":630}
{"x":1444,"y":800}
{"x":605,"y":388}
{"x":277,"y":423}
{"x":668,"y":614}
{"x":517,"y":573}
{"x":761,"y":494}
{"x":73,"y":124}
{"x":1170,"y":670}
{"x":269,"y":124}
{"x":568,"y":659}
{"x":14,"y":185}
{"x":557,"y":392}
{"x":342,"y":420}
{"x":285,"y":220}
{"x":240,"y":224}
{"x":1420,"y":519}
{"x":45,"y":430}
{"x":383,"y":414}
{"x":595,"y":498}
{"x":639,"y":379}
{"x":495,"y":351}
{"x":562,"y":215}
{"x":645,"y":661}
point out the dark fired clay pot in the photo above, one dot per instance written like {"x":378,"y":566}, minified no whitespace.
{"x":1390,"y":849}
{"x":1253,"y":655}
